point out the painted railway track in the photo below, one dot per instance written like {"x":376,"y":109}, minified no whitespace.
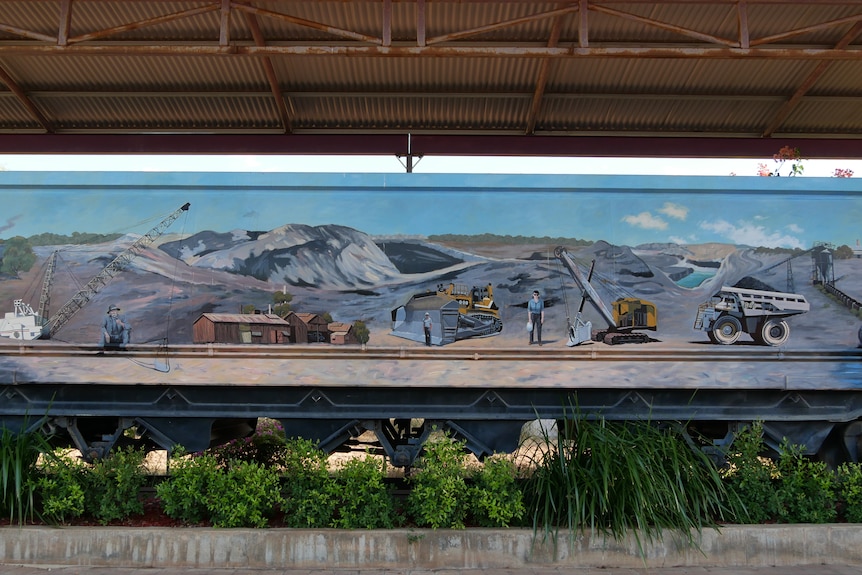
{"x":596,"y":353}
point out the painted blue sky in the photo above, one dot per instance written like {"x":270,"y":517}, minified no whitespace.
{"x":631,"y":210}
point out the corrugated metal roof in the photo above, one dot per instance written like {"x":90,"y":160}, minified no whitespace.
{"x":342,"y":71}
{"x":258,"y":318}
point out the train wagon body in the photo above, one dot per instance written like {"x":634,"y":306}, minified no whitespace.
{"x":273,"y":253}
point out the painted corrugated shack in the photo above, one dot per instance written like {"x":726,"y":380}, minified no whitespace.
{"x":318,"y":330}
{"x":297,"y":329}
{"x":240,"y":328}
{"x":341,"y":333}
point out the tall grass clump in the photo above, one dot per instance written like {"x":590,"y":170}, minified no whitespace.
{"x":621,"y":477}
{"x":19,"y":455}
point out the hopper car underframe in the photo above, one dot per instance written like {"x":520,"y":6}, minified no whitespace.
{"x":95,"y":415}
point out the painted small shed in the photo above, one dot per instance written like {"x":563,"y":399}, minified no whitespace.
{"x":341,"y":333}
{"x":318,"y":330}
{"x":298,"y":330}
{"x":240,"y":328}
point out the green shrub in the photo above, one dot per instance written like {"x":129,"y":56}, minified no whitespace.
{"x":61,"y":487}
{"x":308,"y":487}
{"x":495,"y":498}
{"x":751,"y":476}
{"x":849,"y":485}
{"x":438,"y":494}
{"x":184,"y":493}
{"x":806,"y":488}
{"x":243,"y":495}
{"x":112,"y":486}
{"x":19,"y":454}
{"x":363,"y":499}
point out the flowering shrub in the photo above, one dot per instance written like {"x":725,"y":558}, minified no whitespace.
{"x":784,"y":155}
{"x":794,"y":157}
{"x":266,"y":446}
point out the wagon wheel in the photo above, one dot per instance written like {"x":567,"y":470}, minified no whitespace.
{"x":775,"y":332}
{"x":726,"y":330}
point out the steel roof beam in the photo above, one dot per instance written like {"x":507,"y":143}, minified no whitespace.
{"x":22,"y":97}
{"x":271,"y":77}
{"x":484,"y":51}
{"x":623,"y":146}
{"x":809,"y":82}
{"x":542,"y":76}
{"x":107,"y":32}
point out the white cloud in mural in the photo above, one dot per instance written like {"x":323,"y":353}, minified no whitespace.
{"x":750,"y":234}
{"x":646,"y":221}
{"x":674,"y":211}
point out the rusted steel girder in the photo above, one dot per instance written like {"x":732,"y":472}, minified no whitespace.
{"x":400,"y":51}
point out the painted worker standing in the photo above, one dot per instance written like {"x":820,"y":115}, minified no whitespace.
{"x":426,"y":327}
{"x":536,"y":316}
{"x":116,"y":331}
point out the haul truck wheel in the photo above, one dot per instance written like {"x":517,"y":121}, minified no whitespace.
{"x":775,"y":332}
{"x":726,"y":330}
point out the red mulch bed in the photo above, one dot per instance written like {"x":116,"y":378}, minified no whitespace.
{"x":153,"y":516}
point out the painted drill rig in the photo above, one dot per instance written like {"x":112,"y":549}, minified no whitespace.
{"x":758,"y":313}
{"x":626,"y":317}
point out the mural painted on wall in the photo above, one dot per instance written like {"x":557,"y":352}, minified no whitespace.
{"x":351,"y":259}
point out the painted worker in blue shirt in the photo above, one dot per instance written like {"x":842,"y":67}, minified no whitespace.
{"x":536,"y":316}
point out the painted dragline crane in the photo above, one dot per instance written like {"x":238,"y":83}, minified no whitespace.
{"x":118,"y":264}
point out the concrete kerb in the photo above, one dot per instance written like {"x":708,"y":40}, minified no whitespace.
{"x":732,"y":546}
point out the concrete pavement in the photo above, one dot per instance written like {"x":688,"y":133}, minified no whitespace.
{"x":801,"y":570}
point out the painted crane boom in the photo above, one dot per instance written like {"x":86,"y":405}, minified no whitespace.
{"x":45,"y":297}
{"x":588,"y":292}
{"x":118,"y":264}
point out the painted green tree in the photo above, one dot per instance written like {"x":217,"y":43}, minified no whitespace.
{"x":282,"y":300}
{"x":361,"y":332}
{"x":18,"y":256}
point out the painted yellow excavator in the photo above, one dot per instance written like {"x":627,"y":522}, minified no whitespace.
{"x":626,"y":317}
